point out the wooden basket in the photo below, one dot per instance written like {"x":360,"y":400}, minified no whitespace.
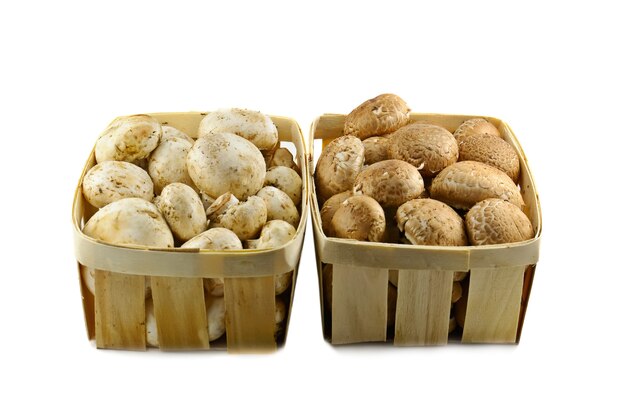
{"x":497,"y":288}
{"x":115,"y":316}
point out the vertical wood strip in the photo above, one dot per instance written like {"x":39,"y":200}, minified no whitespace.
{"x":493,"y":305}
{"x":180,"y":313}
{"x":359,"y":304}
{"x":120,"y":311}
{"x":250,"y":314}
{"x":423,"y":307}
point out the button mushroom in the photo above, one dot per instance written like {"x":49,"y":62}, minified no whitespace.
{"x":390,"y":182}
{"x":475,"y":126}
{"x":183,"y":210}
{"x":491,"y":150}
{"x":465,"y":183}
{"x":287,"y":180}
{"x":432,"y":223}
{"x":338,"y":165}
{"x":128,"y":138}
{"x":277,"y":233}
{"x":225,"y":162}
{"x":279,"y":205}
{"x":245,"y":218}
{"x":110,"y":181}
{"x":216,"y":317}
{"x":168,"y":162}
{"x":283,"y":157}
{"x":251,"y":125}
{"x":427,"y":147}
{"x":169,"y":132}
{"x":377,"y":116}
{"x":360,"y":217}
{"x":494,"y":221}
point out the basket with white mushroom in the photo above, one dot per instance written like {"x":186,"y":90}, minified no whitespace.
{"x":188,"y":231}
{"x":426,"y":226}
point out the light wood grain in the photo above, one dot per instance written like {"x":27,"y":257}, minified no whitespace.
{"x":180,"y":313}
{"x":250,"y":314}
{"x":120,"y":311}
{"x":423,"y":307}
{"x":359,"y":304}
{"x":493,"y":305}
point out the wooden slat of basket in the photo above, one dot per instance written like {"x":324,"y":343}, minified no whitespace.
{"x":88,"y":302}
{"x":180,"y":313}
{"x":250,"y":314}
{"x":120,"y":310}
{"x":493,"y":305}
{"x":359,"y":304}
{"x":423,"y":307}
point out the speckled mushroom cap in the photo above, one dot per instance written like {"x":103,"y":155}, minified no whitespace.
{"x":360,"y":217}
{"x":287,"y":180}
{"x":494,"y":221}
{"x":377,"y":116}
{"x":111,"y":180}
{"x":390,"y":182}
{"x":431,"y":223}
{"x":215,"y":239}
{"x":168,"y":162}
{"x":428,"y":147}
{"x":338,"y":165}
{"x":254,"y":126}
{"x":330,"y":207}
{"x":475,"y":126}
{"x":245,"y":218}
{"x":465,"y":183}
{"x":182,"y":208}
{"x":376,"y":149}
{"x":169,"y":132}
{"x":491,"y":150}
{"x":128,"y":138}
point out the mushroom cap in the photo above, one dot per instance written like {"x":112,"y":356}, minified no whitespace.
{"x":494,"y":221}
{"x":431,"y":223}
{"x":457,"y":292}
{"x":329,"y":208}
{"x":360,"y":217}
{"x":245,"y":218}
{"x":130,"y":221}
{"x":183,"y":210}
{"x":491,"y":150}
{"x":283,"y":157}
{"x":216,"y":317}
{"x":279,"y":205}
{"x":428,"y":147}
{"x":220,"y":205}
{"x":287,"y":180}
{"x":475,"y":126}
{"x":169,"y":132}
{"x":128,"y":138}
{"x":224,"y":162}
{"x":376,"y":149}
{"x":251,"y":125}
{"x":215,"y":239}
{"x":110,"y":181}
{"x":339,"y":164}
{"x":465,"y":183}
{"x":377,"y":116}
{"x":275,"y":233}
{"x":214,"y":285}
{"x":390,"y":182}
{"x":207,"y":201}
{"x":168,"y":162}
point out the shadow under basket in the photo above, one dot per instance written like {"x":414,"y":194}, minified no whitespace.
{"x":359,"y":303}
{"x":115,"y":316}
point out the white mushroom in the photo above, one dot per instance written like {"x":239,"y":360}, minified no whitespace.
{"x":168,"y":163}
{"x":275,"y":234}
{"x":169,"y":132}
{"x":244,"y":218}
{"x":225,"y":162}
{"x":283,"y":157}
{"x":287,"y":180}
{"x":152,"y":334}
{"x":216,"y":317}
{"x":279,"y":205}
{"x":183,"y":210}
{"x":128,"y":138}
{"x":110,"y":181}
{"x":251,"y":125}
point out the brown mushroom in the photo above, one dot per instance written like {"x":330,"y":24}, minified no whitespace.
{"x":432,"y":223}
{"x":465,"y":183}
{"x":428,"y":147}
{"x":377,"y":116}
{"x":329,"y":208}
{"x":390,"y":182}
{"x":491,"y":150}
{"x":360,"y":217}
{"x":494,"y":221}
{"x":475,"y":126}
{"x":338,"y":165}
{"x":376,"y":149}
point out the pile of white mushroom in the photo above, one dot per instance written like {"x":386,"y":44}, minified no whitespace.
{"x":391,"y":180}
{"x":231,"y":189}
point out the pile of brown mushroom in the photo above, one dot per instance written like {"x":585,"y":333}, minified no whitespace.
{"x":390,"y":180}
{"x":233,"y":188}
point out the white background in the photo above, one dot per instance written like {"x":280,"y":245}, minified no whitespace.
{"x":554,"y":71}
